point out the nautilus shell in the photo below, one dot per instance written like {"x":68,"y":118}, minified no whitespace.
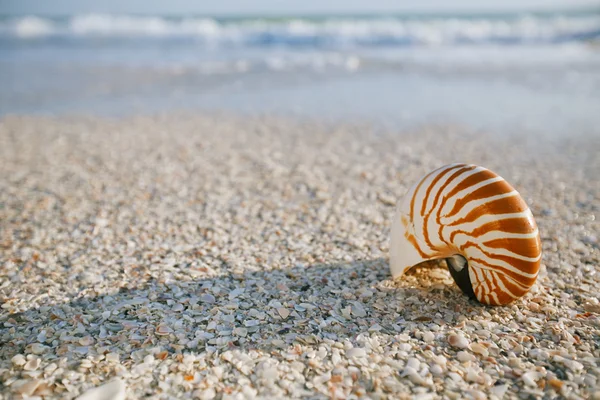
{"x":478,"y":222}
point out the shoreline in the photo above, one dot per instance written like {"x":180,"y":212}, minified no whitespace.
{"x":227,"y":255}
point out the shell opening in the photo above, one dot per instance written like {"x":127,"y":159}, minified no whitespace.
{"x":457,"y":262}
{"x":459,"y":269}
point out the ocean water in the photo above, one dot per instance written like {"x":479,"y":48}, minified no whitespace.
{"x":522,"y":71}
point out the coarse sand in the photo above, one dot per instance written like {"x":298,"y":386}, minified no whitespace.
{"x":222,"y":256}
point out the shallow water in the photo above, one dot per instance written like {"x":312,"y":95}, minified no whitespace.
{"x":528,"y":72}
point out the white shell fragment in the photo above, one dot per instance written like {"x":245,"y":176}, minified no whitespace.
{"x":113,"y":390}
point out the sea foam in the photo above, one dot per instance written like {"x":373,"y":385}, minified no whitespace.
{"x":318,"y":32}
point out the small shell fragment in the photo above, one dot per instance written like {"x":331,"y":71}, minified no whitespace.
{"x":458,"y":341}
{"x":19,"y":360}
{"x":114,"y":390}
{"x":32,"y":364}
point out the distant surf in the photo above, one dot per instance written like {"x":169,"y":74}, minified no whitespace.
{"x":539,"y":70}
{"x":317,"y":32}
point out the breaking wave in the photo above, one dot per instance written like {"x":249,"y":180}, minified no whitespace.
{"x":316,"y":32}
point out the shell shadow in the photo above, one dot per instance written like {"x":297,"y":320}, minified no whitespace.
{"x":255,"y":310}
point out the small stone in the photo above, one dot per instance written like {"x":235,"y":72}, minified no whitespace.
{"x":163,"y":330}
{"x":529,"y":378}
{"x":414,"y":376}
{"x":358,"y":310}
{"x":114,"y":390}
{"x":38,"y":348}
{"x":112,"y":357}
{"x":86,"y":341}
{"x":436,"y":369}
{"x":81,"y":350}
{"x":356,"y":352}
{"x":50,"y":368}
{"x":473,"y":376}
{"x":19,"y":360}
{"x":283,"y":312}
{"x":590,"y":307}
{"x":235,"y":293}
{"x":428,"y":337}
{"x":212,"y":325}
{"x":413,"y":363}
{"x":499,"y":390}
{"x":463,"y":356}
{"x":270,"y":374}
{"x":479,"y":349}
{"x":440,"y":360}
{"x":458,"y":341}
{"x":27,"y":388}
{"x":573,"y":365}
{"x":556,"y":384}
{"x":208,"y":298}
{"x":206,"y":394}
{"x":243,"y":332}
{"x":32,"y":364}
{"x":114,"y":327}
{"x":477,"y":395}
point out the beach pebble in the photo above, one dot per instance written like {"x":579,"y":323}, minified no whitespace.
{"x":50,"y":368}
{"x":414,"y":376}
{"x":163,"y":330}
{"x":243,"y":332}
{"x":19,"y":360}
{"x":235,"y":293}
{"x":424,"y":396}
{"x":440,"y":360}
{"x":499,"y":390}
{"x":358,"y":310}
{"x":591,"y":307}
{"x":428,"y":337}
{"x":205,"y":394}
{"x":208,"y":298}
{"x":27,"y":387}
{"x":356,"y":352}
{"x":413,"y":363}
{"x":32,"y":364}
{"x":463,"y":356}
{"x":283,"y":312}
{"x":86,"y":341}
{"x":436,"y":369}
{"x":479,"y":349}
{"x":473,"y":376}
{"x":114,"y":390}
{"x":38,"y":348}
{"x":530,"y":378}
{"x":458,"y":340}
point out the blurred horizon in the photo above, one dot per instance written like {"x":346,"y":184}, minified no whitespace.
{"x":532,"y":65}
{"x":234,"y":8}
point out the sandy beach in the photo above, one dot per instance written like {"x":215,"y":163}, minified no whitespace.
{"x":221,"y":256}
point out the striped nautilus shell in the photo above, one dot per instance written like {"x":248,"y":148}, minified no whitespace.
{"x":478,"y":222}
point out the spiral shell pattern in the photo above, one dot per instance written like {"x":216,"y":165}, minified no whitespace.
{"x":470,"y":211}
